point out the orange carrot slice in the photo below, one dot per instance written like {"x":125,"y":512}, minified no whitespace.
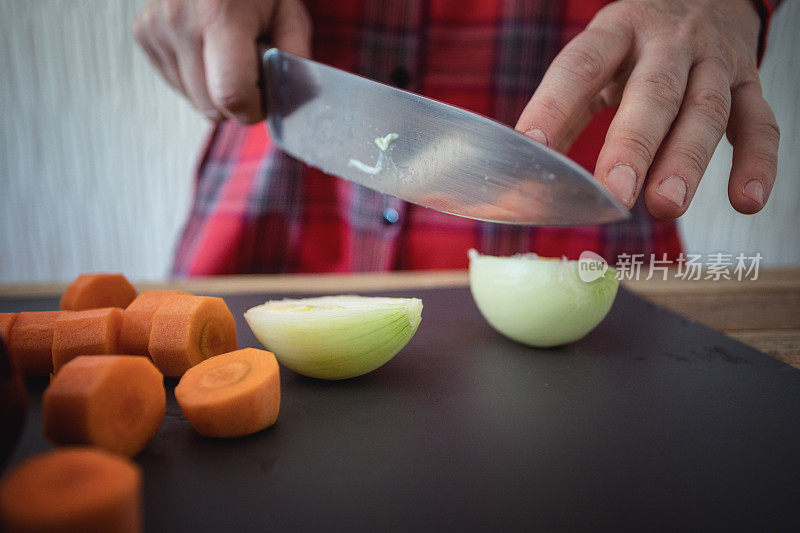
{"x":188,"y":329}
{"x":232,"y":394}
{"x":116,"y":402}
{"x":93,"y":291}
{"x":6,"y":322}
{"x":30,"y":341}
{"x":13,"y":405}
{"x":89,"y":332}
{"x":73,"y":489}
{"x":134,"y":337}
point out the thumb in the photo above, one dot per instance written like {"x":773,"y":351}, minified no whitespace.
{"x":291,"y":28}
{"x":229,"y":54}
{"x":230,"y":61}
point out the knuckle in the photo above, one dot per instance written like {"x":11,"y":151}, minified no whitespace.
{"x":625,"y":13}
{"x":766,"y":160}
{"x":686,"y":29}
{"x":552,"y":109}
{"x":767,"y":128}
{"x":663,"y":88}
{"x":762,"y":152}
{"x":639,"y":144}
{"x":720,"y":58}
{"x":695,"y":155}
{"x":714,"y":105}
{"x":716,"y":64}
{"x":759,"y":163}
{"x":583,"y":62}
{"x":761,"y":125}
{"x":748,"y":76}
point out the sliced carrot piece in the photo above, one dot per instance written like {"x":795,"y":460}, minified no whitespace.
{"x":232,"y":394}
{"x":6,"y":322}
{"x":89,"y":332}
{"x":116,"y":402}
{"x":13,"y":405}
{"x":93,"y":291}
{"x":30,"y":341}
{"x":134,"y":337}
{"x":188,"y":329}
{"x":73,"y":489}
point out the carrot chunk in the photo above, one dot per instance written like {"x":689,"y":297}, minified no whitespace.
{"x":232,"y":394}
{"x":30,"y":341}
{"x":134,"y":337}
{"x":93,"y":291}
{"x":89,"y":332}
{"x":6,"y":322}
{"x":188,"y":329}
{"x":72,"y":489}
{"x":13,"y":405}
{"x":116,"y":402}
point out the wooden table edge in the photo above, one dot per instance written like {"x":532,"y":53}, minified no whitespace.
{"x":763,"y":313}
{"x":782,"y":278}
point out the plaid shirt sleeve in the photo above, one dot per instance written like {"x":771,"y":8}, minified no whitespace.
{"x":258,"y":210}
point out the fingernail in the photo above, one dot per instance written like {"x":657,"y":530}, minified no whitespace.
{"x":537,"y":135}
{"x":621,"y":180}
{"x":673,"y":189}
{"x":755,"y":191}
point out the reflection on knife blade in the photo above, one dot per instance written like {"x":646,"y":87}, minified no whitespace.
{"x":440,"y":157}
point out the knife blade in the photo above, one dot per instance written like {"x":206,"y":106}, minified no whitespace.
{"x":424,"y":151}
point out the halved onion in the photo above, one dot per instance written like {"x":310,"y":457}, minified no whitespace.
{"x":335,"y":337}
{"x":539,"y":301}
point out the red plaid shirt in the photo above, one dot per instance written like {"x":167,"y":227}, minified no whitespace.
{"x":257,"y":210}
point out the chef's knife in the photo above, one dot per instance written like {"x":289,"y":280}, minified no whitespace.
{"x":423,"y":151}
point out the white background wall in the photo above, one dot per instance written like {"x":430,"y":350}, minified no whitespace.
{"x":96,"y":152}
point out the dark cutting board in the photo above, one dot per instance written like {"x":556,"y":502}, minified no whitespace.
{"x":652,"y":422}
